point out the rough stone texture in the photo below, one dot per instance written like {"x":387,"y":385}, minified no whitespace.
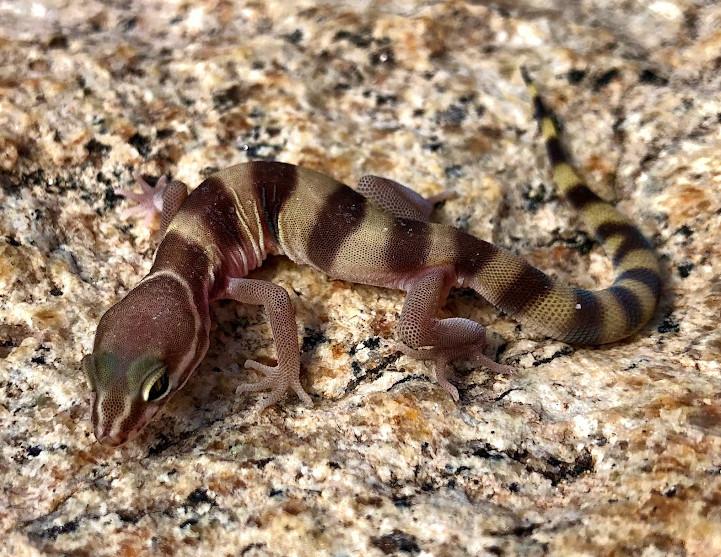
{"x":601,"y":451}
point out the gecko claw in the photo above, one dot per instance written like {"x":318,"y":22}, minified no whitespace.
{"x":277,"y":380}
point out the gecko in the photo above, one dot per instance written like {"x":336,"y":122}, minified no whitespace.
{"x":149,"y":343}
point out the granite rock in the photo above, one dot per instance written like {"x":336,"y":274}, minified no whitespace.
{"x":581,"y":451}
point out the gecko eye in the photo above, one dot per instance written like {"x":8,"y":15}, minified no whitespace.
{"x":156,"y":386}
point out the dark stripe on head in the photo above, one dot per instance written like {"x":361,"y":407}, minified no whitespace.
{"x":649,"y":277}
{"x":407,"y":246}
{"x":556,"y":152}
{"x":527,"y":288}
{"x":632,"y":238}
{"x":273,"y":183}
{"x":587,"y":322}
{"x":471,"y":254}
{"x":580,"y":196}
{"x":341,"y":215}
{"x":630,"y":304}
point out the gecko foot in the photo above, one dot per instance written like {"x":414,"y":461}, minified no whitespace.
{"x":148,"y":203}
{"x":442,"y":356}
{"x":278,"y":380}
{"x":443,"y":196}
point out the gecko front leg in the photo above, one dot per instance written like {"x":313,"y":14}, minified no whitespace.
{"x":286,"y":373}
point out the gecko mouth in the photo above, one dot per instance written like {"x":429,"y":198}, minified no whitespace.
{"x":106,"y":437}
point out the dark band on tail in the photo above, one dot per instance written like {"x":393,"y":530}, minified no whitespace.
{"x":632,"y":239}
{"x":572,"y":314}
{"x":580,"y":197}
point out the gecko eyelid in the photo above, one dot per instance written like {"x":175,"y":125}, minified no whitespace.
{"x":156,"y":386}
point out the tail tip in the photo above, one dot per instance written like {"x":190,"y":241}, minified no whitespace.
{"x":526,"y":76}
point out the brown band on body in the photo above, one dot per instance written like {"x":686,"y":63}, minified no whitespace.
{"x":471,"y":254}
{"x":587,"y":321}
{"x":217,"y":217}
{"x":340,"y":216}
{"x":530,"y":286}
{"x":273,"y":183}
{"x":580,"y":196}
{"x":632,"y":238}
{"x":407,"y":247}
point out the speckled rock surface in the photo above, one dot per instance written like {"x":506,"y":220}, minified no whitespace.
{"x":606,"y":451}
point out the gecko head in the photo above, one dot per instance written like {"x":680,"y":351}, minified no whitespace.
{"x":127,"y":395}
{"x":146,"y":346}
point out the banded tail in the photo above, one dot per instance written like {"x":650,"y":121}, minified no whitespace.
{"x":572,"y":314}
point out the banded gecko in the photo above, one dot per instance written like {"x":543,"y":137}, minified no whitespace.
{"x":149,"y":343}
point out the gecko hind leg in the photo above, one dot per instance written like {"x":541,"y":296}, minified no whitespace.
{"x":424,"y":336}
{"x":399,"y":200}
{"x":163,"y":200}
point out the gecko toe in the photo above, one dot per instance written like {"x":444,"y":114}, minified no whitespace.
{"x":302,"y":395}
{"x":148,"y":202}
{"x":491,"y":364}
{"x":277,"y":380}
{"x":442,"y":378}
{"x":442,"y":356}
{"x":254,"y":387}
{"x":268,"y":371}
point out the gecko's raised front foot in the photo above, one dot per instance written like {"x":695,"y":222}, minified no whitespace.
{"x":148,"y":203}
{"x":442,"y":356}
{"x":278,"y":380}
